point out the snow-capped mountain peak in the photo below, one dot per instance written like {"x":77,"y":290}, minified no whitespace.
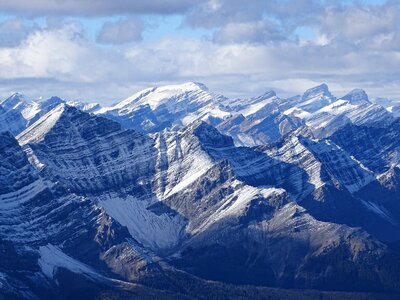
{"x":39,"y":129}
{"x":266,"y":95}
{"x":53,"y":100}
{"x":319,"y":90}
{"x":316,"y":98}
{"x":357,"y":96}
{"x":160,"y":107}
{"x":157,"y":96}
{"x":15,"y":101}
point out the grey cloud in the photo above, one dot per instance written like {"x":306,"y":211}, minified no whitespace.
{"x":13,"y":31}
{"x":376,"y":27}
{"x":293,"y":13}
{"x":359,"y":22}
{"x":216,"y":13}
{"x":121,"y":32}
{"x":250,"y":32}
{"x":95,"y":8}
{"x":353,"y":22}
{"x":258,"y":21}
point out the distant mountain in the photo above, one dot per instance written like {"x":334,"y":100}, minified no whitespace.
{"x":160,"y":107}
{"x":17,"y":113}
{"x":150,"y":197}
{"x":256,"y":121}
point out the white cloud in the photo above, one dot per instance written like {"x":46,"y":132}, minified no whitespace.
{"x":62,"y":54}
{"x":44,"y":53}
{"x":186,"y":58}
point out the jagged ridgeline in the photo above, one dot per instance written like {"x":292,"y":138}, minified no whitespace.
{"x":177,"y":192}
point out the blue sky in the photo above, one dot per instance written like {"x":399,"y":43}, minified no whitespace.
{"x":108,"y":51}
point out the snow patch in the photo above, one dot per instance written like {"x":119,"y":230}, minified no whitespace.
{"x":152,"y":230}
{"x":52,"y":257}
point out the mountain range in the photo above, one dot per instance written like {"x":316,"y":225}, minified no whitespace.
{"x":179,"y":192}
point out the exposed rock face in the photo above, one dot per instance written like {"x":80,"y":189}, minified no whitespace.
{"x":11,"y":121}
{"x":82,"y":194}
{"x":45,"y":226}
{"x":70,"y":146}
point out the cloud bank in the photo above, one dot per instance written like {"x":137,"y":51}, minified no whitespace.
{"x":248,"y":48}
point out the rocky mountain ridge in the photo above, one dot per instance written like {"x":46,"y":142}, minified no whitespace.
{"x":123,"y":209}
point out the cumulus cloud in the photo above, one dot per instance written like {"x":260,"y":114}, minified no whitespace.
{"x":121,"y":32}
{"x":43,"y":54}
{"x":63,"y":54}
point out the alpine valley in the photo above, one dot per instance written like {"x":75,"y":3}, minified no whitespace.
{"x":181,"y":193}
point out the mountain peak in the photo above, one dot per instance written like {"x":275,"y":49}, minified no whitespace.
{"x":13,"y":101}
{"x":321,"y":89}
{"x":317,"y":97}
{"x":183,"y":87}
{"x":266,"y":95}
{"x":51,"y":102}
{"x":67,"y":121}
{"x":195,"y":85}
{"x":16,"y":95}
{"x":37,"y":131}
{"x":89,"y":107}
{"x":53,"y":99}
{"x":157,"y":96}
{"x":356,"y":96}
